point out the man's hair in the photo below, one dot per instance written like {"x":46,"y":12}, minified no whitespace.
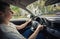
{"x":3,"y":5}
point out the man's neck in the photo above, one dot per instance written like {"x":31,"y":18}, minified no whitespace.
{"x":6,"y":22}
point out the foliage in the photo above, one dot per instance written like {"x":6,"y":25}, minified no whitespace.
{"x":42,"y":8}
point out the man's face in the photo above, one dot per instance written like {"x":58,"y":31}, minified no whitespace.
{"x":8,"y":13}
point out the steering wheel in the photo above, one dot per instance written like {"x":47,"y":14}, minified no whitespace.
{"x":44,"y":22}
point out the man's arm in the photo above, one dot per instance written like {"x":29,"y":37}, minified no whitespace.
{"x":33,"y":36}
{"x":23,"y":25}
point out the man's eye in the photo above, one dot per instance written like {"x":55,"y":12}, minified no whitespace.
{"x":12,"y":12}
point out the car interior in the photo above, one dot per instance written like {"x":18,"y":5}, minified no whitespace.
{"x":51,"y":24}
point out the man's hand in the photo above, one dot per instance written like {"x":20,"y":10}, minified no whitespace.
{"x":40,"y":27}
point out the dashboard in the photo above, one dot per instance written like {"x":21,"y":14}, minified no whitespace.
{"x":54,"y":25}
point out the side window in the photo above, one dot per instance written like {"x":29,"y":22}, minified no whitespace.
{"x":18,"y":12}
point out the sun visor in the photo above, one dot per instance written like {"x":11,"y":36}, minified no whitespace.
{"x":19,"y":3}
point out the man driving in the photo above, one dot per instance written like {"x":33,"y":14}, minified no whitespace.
{"x":10,"y":30}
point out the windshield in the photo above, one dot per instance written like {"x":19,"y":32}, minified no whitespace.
{"x":39,"y":8}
